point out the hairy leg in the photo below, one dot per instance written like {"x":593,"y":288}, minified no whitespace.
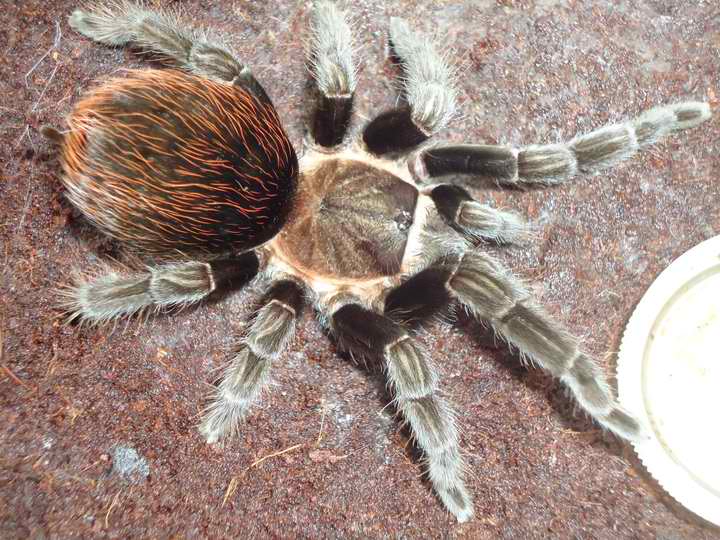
{"x":429,"y":87}
{"x":248,"y":372}
{"x":421,"y":297}
{"x":492,"y":294}
{"x":476,"y":220}
{"x":333,"y":68}
{"x":557,"y":163}
{"x":414,"y":383}
{"x":121,"y":22}
{"x":112,"y":296}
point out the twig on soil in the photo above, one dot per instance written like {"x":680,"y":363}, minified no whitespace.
{"x":56,"y":43}
{"x":7,"y":370}
{"x":274,"y":454}
{"x":322,"y":422}
{"x":232,"y":486}
{"x":52,"y":364}
{"x":17,"y":379}
{"x":21,"y":137}
{"x":230,"y":491}
{"x":574,"y":433}
{"x":47,"y":84}
{"x":53,"y":47}
{"x":26,"y":207}
{"x":113,"y":504}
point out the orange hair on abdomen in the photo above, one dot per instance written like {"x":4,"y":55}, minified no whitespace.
{"x":167,"y":162}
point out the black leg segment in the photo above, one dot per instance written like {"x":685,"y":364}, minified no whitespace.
{"x":288,"y":293}
{"x":493,"y":162}
{"x":332,"y":119}
{"x":420,"y":297}
{"x":365,"y":331}
{"x":231,"y":273}
{"x":470,"y":218}
{"x":393,"y":131}
{"x":448,"y":199}
{"x":111,"y":296}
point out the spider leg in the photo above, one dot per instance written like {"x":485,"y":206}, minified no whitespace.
{"x":429,"y":88}
{"x":122,"y":22}
{"x":492,"y":294}
{"x":557,"y":163}
{"x":333,"y":68}
{"x":111,"y":296}
{"x":414,"y":383}
{"x":474,"y":219}
{"x":56,"y":136}
{"x":421,"y":296}
{"x":248,"y":372}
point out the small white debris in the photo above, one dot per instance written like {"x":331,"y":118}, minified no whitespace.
{"x":128,"y":463}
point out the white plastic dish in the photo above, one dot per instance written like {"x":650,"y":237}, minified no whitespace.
{"x":669,"y":378}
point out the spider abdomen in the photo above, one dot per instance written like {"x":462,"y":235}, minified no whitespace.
{"x":167,"y":162}
{"x":353,"y":220}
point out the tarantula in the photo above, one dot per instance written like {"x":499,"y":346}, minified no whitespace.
{"x":377,"y":233}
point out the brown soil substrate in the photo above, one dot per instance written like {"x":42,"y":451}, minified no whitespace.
{"x":98,"y":436}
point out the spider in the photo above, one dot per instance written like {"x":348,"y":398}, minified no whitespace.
{"x":379,"y":232}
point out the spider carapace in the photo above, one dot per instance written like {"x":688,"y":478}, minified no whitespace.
{"x":377,"y":232}
{"x":354,"y":219}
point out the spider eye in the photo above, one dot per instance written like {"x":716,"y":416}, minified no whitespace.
{"x":403,"y":220}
